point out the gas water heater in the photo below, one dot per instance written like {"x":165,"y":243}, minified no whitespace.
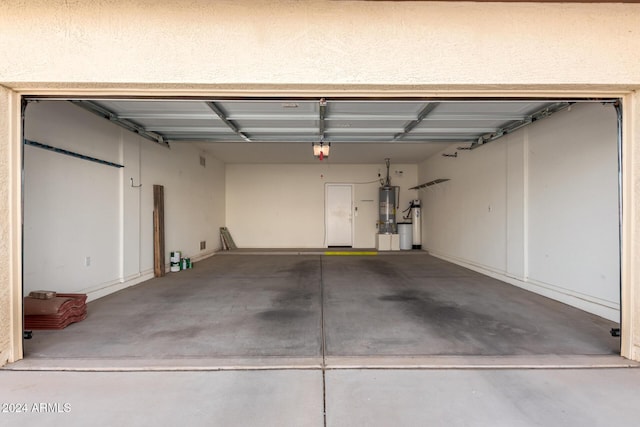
{"x":387,"y":221}
{"x":388,"y":196}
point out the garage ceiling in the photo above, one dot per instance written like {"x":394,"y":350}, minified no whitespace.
{"x":360,"y":130}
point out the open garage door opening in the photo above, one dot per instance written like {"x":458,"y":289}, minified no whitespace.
{"x":519,"y":228}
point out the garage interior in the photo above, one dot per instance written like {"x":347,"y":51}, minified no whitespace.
{"x":519,"y":229}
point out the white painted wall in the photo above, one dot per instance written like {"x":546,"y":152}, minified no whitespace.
{"x":282,"y":206}
{"x":76,"y":209}
{"x":193,"y":199}
{"x":537,"y":208}
{"x":573,"y":203}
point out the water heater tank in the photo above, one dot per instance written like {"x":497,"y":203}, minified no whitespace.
{"x":387,"y":221}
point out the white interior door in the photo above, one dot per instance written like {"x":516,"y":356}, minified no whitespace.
{"x":339,"y":214}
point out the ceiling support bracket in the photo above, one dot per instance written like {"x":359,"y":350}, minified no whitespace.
{"x":519,"y":124}
{"x":322,"y":114}
{"x":130,"y":126}
{"x":412,"y":124}
{"x":216,"y":109}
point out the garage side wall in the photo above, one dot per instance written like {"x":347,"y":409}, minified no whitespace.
{"x":537,"y":208}
{"x":194,"y":200}
{"x":282,"y":206}
{"x":88,"y":226}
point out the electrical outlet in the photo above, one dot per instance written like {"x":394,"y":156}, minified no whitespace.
{"x":203,"y":162}
{"x":203,"y":245}
{"x":87,"y":261}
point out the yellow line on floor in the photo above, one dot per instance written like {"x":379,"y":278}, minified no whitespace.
{"x":351,"y":253}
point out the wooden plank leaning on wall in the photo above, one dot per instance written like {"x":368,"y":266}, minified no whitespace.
{"x":158,"y":231}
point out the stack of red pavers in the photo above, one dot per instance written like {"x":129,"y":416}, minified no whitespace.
{"x":48,"y":310}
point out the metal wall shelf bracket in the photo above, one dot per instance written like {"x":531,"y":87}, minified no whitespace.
{"x":430,"y":183}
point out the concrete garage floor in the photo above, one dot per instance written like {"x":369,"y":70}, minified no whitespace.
{"x":277,"y":340}
{"x":306,"y":307}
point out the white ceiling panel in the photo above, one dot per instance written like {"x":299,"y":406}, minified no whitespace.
{"x":494,"y":108}
{"x":457,"y":123}
{"x":377,"y":109}
{"x":126,"y":107}
{"x":368,"y":123}
{"x":239,"y":110}
{"x":155,"y":123}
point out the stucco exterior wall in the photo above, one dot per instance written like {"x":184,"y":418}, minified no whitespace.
{"x":631,"y":238}
{"x":10,"y":244}
{"x":200,"y":47}
{"x":5,"y":288}
{"x":318,"y":42}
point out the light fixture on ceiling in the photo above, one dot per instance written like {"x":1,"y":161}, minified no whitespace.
{"x":320,"y":149}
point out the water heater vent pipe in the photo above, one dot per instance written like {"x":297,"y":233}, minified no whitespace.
{"x":387,"y":183}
